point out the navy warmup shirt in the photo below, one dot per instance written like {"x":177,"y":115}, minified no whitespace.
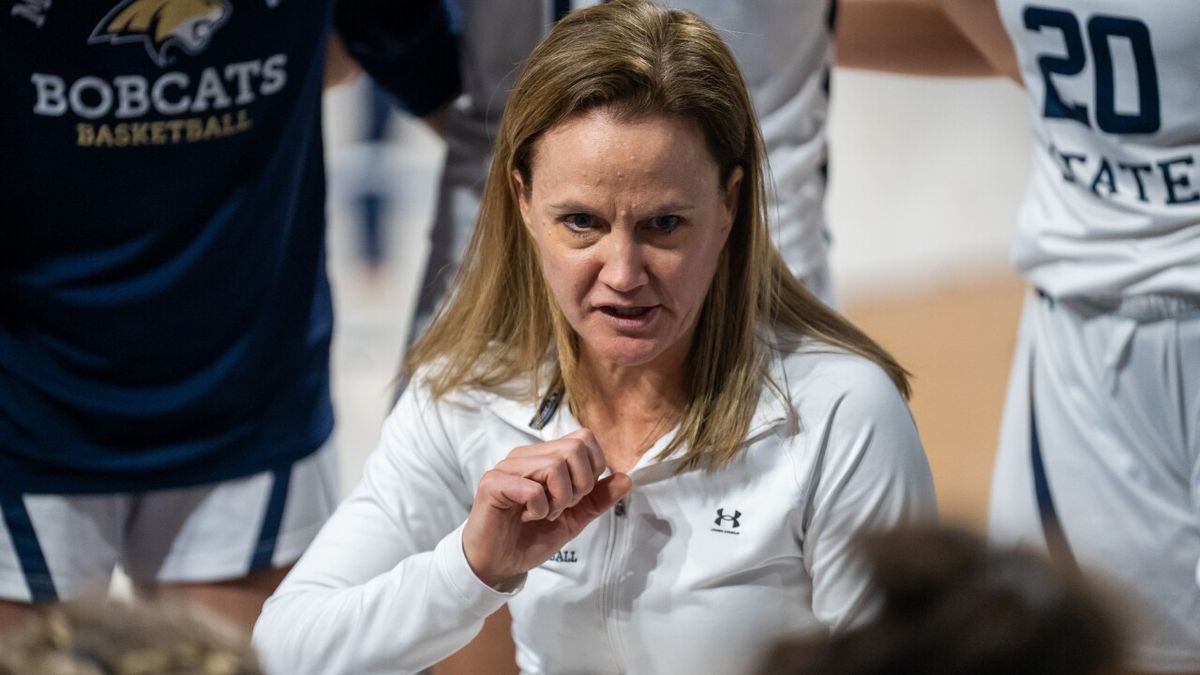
{"x":165,"y":316}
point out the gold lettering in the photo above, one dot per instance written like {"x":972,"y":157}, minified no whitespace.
{"x":104,"y":136}
{"x":212,"y":128}
{"x":184,"y":130}
{"x":195,"y":129}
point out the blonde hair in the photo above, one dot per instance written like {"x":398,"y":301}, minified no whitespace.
{"x":501,"y":324}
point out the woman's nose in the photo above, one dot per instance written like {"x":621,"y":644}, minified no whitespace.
{"x":624,"y":263}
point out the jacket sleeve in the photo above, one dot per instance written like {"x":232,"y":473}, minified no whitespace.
{"x":872,"y":475}
{"x":410,"y":47}
{"x":385,"y":587}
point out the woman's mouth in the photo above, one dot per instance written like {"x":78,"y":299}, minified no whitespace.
{"x":625,"y":312}
{"x":625,"y":319}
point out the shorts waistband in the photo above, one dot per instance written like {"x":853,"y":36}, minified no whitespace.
{"x":1144,"y":308}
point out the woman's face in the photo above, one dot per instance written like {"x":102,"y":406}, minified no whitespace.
{"x":629,"y":218}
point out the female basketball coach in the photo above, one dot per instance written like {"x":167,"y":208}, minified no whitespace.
{"x":630,"y":422}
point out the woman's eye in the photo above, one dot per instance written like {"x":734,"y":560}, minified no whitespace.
{"x":579,"y":222}
{"x":665,"y":224}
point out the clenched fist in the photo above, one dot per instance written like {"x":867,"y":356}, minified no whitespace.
{"x":535,"y":500}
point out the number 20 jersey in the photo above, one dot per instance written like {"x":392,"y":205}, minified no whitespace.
{"x":1113,"y":204}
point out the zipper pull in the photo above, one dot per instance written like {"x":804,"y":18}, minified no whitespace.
{"x":546,"y":409}
{"x":619,"y":509}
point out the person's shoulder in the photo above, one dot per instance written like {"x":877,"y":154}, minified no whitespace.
{"x":818,"y":377}
{"x":442,"y":421}
{"x":420,"y":387}
{"x":463,"y":399}
{"x":848,"y":407}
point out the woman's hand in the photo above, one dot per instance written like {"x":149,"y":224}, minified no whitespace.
{"x":534,"y":501}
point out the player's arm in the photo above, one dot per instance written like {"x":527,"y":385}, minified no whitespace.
{"x":979,"y":21}
{"x":409,"y":47}
{"x":340,"y":67}
{"x":914,"y":37}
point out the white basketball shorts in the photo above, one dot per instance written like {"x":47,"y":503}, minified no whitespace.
{"x":1099,"y":458}
{"x":58,"y":547}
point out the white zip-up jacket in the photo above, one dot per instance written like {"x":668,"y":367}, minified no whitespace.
{"x":693,"y":572}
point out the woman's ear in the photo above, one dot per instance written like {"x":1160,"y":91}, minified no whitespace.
{"x":518,"y":186}
{"x":733,"y":192}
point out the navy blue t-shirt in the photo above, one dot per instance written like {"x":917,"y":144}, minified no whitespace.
{"x":165,"y":316}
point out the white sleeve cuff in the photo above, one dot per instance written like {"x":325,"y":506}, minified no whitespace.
{"x":460,"y":579}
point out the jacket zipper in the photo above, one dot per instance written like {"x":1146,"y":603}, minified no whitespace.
{"x":607,"y":603}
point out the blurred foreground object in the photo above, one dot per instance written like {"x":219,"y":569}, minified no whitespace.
{"x":953,"y":606}
{"x":120,"y":638}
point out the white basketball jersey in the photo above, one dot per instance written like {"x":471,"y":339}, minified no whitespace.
{"x":784,"y":49}
{"x":1113,"y":204}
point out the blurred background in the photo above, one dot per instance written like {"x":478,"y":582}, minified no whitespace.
{"x":925,"y":176}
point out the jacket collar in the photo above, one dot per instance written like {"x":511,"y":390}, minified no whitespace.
{"x":773,"y":409}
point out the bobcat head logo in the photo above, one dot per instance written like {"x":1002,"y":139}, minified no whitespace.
{"x":160,"y":24}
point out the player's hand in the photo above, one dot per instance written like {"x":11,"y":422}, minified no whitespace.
{"x":534,"y":501}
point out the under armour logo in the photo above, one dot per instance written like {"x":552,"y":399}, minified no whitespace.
{"x":721,"y":517}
